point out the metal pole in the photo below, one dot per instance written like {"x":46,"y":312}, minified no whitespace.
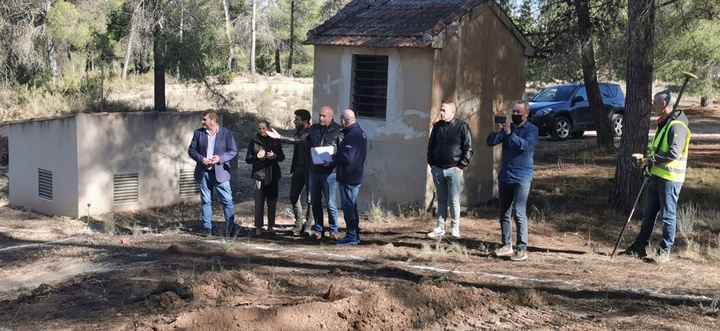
{"x":617,"y":243}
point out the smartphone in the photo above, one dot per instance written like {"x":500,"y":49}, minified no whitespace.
{"x":500,"y":119}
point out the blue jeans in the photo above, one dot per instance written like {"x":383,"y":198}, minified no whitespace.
{"x":662,"y":196}
{"x":513,"y":200}
{"x":447,"y":184}
{"x":207,"y":183}
{"x":323,"y":185}
{"x":348,"y":203}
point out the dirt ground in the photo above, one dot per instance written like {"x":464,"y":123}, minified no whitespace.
{"x":59,"y":273}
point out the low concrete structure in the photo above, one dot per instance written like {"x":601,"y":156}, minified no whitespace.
{"x":105,"y":162}
{"x":395,"y":61}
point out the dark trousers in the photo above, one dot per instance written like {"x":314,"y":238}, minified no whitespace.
{"x":265,"y":192}
{"x":299,"y":182}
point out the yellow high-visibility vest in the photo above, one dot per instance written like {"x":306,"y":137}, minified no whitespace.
{"x":673,"y":170}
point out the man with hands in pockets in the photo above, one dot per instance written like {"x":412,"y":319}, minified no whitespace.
{"x":449,"y":152}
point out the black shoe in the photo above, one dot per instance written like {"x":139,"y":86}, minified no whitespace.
{"x":636,"y":251}
{"x":207,"y":233}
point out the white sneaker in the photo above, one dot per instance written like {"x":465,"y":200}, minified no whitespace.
{"x":455,"y":233}
{"x":436,"y":232}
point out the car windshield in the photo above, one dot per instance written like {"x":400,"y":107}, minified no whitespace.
{"x":554,"y":93}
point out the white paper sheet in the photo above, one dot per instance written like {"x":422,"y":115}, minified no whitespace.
{"x":322,"y":154}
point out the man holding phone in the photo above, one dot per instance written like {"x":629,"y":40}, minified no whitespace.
{"x":518,"y":138}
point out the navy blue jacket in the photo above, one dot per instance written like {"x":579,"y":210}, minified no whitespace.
{"x":518,"y":152}
{"x":350,"y":158}
{"x":225,"y":148}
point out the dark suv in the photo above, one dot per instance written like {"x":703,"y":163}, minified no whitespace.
{"x":564,"y":111}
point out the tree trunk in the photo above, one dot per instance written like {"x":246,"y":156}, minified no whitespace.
{"x":159,"y":47}
{"x":128,"y":54}
{"x":182,"y":28}
{"x":252,"y":38}
{"x":131,"y":38}
{"x":227,"y":33}
{"x":277,"y":61}
{"x":705,"y":101}
{"x":292,"y":38}
{"x":52,"y":52}
{"x":52,"y":56}
{"x":641,"y":22}
{"x":599,"y":114}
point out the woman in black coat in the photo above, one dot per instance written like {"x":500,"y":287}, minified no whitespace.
{"x":264,"y":153}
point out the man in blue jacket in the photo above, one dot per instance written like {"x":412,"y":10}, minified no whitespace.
{"x":350,"y":160}
{"x":518,"y":138}
{"x":212,"y":147}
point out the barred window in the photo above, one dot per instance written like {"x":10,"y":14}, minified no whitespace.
{"x":370,"y":80}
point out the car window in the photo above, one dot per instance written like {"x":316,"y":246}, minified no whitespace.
{"x":581,"y":93}
{"x":554,"y":93}
{"x":606,"y":91}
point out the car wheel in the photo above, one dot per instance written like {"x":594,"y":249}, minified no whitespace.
{"x":561,"y":128}
{"x":617,"y":124}
{"x":577,"y":134}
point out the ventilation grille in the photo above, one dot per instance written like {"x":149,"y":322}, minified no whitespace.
{"x":45,"y":184}
{"x":188,"y":186}
{"x":126,"y":188}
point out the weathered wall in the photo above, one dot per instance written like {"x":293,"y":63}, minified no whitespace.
{"x":152,"y":144}
{"x":50,"y":145}
{"x":481,"y":67}
{"x":84,"y":151}
{"x":396,"y":167}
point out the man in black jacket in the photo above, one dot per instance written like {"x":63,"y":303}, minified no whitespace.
{"x":350,"y":159}
{"x":300,"y":180}
{"x":449,"y":152}
{"x":322,"y":176}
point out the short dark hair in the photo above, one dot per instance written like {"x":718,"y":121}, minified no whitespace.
{"x":211,"y":114}
{"x":304,"y":115}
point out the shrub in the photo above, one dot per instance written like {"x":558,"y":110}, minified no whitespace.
{"x":303,"y":70}
{"x":225,"y":77}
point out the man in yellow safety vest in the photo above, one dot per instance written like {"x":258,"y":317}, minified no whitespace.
{"x":667,"y":162}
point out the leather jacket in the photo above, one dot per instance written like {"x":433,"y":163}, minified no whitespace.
{"x":319,"y":136}
{"x":450,"y":144}
{"x":301,"y":154}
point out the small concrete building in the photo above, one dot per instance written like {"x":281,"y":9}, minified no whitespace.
{"x":102,"y":162}
{"x":394,"y":61}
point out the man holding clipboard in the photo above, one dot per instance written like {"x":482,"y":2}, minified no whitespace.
{"x":324,"y":137}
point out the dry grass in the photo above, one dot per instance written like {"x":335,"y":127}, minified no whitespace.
{"x":440,"y":249}
{"x":572,"y":184}
{"x":377,"y":214}
{"x":527,"y":297}
{"x":109,"y":225}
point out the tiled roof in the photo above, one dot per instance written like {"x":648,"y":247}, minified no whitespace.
{"x":392,"y":23}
